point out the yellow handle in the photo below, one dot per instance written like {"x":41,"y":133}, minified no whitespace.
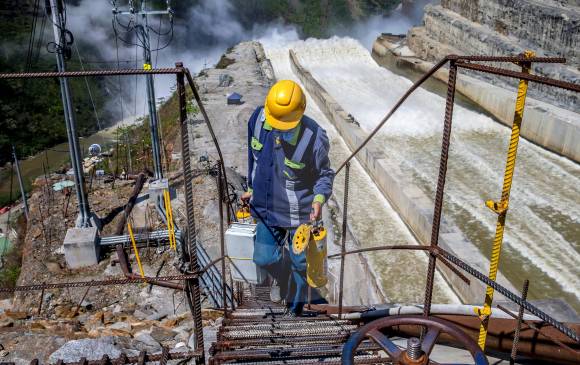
{"x":135,"y":249}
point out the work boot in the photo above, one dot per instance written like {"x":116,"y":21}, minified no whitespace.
{"x":288,"y":313}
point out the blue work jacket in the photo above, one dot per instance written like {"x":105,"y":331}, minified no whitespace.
{"x":285,"y":177}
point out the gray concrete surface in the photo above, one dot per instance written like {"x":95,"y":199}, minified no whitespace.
{"x":81,"y":247}
{"x":507,"y":27}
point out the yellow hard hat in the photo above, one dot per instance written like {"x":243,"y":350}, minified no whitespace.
{"x":285,"y":105}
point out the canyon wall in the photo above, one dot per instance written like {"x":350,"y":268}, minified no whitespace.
{"x":506,"y":27}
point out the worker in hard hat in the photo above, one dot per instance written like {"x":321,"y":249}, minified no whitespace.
{"x":289,"y":180}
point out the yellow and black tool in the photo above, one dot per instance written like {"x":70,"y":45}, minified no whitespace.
{"x":312,"y":238}
{"x":301,"y":238}
{"x":243,"y":214}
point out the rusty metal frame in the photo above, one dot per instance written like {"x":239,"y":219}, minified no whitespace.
{"x":191,"y":279}
{"x":434,"y":250}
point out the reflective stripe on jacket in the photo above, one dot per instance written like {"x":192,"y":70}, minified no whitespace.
{"x":286,"y":177}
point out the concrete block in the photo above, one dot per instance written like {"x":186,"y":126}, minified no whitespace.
{"x":81,"y":247}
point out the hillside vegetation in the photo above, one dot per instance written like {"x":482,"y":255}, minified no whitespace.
{"x":31,"y":115}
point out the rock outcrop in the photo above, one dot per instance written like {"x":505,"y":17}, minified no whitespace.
{"x":501,"y":27}
{"x":506,"y":27}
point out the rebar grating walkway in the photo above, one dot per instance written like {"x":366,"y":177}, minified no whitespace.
{"x":258,"y":333}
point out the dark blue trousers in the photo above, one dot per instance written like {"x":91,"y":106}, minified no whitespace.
{"x":272,"y":253}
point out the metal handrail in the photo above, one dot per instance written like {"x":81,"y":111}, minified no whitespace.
{"x":434,"y":250}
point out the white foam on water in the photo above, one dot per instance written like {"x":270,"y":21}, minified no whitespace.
{"x":412,"y":139}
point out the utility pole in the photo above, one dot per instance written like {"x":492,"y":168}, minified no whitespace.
{"x":142,"y":29}
{"x":58,"y":26}
{"x":17,"y":165}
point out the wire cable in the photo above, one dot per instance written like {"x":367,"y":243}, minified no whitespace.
{"x":88,"y":89}
{"x":32,"y":36}
{"x":120,"y":84}
{"x":40,"y":39}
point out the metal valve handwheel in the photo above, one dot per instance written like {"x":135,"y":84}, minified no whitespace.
{"x":417,"y":352}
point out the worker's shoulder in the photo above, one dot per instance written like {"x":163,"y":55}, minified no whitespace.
{"x":255,"y":114}
{"x":310,"y":123}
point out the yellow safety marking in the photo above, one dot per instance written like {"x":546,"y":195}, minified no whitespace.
{"x":501,"y":207}
{"x":240,"y":258}
{"x":135,"y":249}
{"x":147,"y":66}
{"x":169,"y":218}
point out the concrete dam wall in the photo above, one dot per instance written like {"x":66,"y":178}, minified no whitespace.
{"x":549,"y":126}
{"x":503,"y":27}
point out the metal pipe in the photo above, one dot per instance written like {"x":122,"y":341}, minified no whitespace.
{"x":438,"y":208}
{"x":20,"y":183}
{"x":139,"y":182}
{"x":380,"y":248}
{"x":538,"y":331}
{"x":84,"y":211}
{"x":127,"y":271}
{"x":500,"y":338}
{"x":153,"y":123}
{"x":436,"y":309}
{"x":160,"y":235}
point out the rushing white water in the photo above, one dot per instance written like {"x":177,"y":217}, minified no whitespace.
{"x":371,"y":217}
{"x":543,"y":225}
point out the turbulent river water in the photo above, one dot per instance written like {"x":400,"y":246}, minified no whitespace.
{"x":542,"y":238}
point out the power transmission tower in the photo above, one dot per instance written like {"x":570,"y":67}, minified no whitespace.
{"x":139,"y":13}
{"x":62,"y":41}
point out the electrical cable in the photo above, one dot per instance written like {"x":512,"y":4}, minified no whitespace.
{"x":40,"y":38}
{"x":32,"y":36}
{"x":89,"y":89}
{"x":119,"y":80}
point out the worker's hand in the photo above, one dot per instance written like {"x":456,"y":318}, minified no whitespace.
{"x":316,"y":212}
{"x":245,"y":198}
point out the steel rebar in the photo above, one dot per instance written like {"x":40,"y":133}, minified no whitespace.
{"x":343,"y":237}
{"x":438,"y":208}
{"x":194,"y":294}
{"x":519,"y":324}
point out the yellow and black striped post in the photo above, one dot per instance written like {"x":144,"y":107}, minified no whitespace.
{"x":501,"y":207}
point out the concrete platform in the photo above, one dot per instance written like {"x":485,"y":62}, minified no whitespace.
{"x":81,"y":247}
